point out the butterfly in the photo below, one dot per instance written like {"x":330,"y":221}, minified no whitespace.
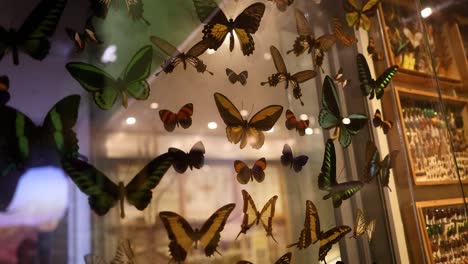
{"x":218,"y":26}
{"x":253,"y":217}
{"x":376,"y":167}
{"x":4,"y":87}
{"x":183,"y":117}
{"x":32,"y":37}
{"x":177,"y":57}
{"x":105,"y":88}
{"x":361,"y":227}
{"x":327,"y":179}
{"x":311,"y":233}
{"x":24,"y":144}
{"x":369,"y":86}
{"x":292,"y":123}
{"x":182,"y":235}
{"x":330,"y":116}
{"x":305,"y":40}
{"x":379,"y":122}
{"x":80,"y":38}
{"x":239,"y":130}
{"x":376,"y":56}
{"x":282,"y":4}
{"x":339,"y":78}
{"x":285,"y":259}
{"x":234,"y":77}
{"x":193,"y":159}
{"x":103,"y":194}
{"x":296,"y":163}
{"x":124,"y":255}
{"x":244,"y":173}
{"x":360,"y":17}
{"x":283,"y":75}
{"x":415,"y":39}
{"x":134,"y":8}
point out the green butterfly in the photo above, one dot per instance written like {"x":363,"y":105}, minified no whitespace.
{"x":32,"y":37}
{"x":105,"y":89}
{"x":376,"y":167}
{"x":330,"y":116}
{"x":25,"y":144}
{"x":327,"y":179}
{"x":369,"y":86}
{"x":104,"y":194}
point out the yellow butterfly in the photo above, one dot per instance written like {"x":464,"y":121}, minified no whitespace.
{"x":218,"y":26}
{"x":360,"y":17}
{"x":124,"y":255}
{"x":361,"y":227}
{"x":243,"y":131}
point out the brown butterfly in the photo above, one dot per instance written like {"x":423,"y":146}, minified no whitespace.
{"x":378,"y":121}
{"x":292,"y":123}
{"x":246,"y":174}
{"x":253,"y":217}
{"x":183,"y":117}
{"x":177,"y":57}
{"x":182,"y":235}
{"x":282,"y":4}
{"x":285,"y":259}
{"x":283,"y":75}
{"x":305,"y":40}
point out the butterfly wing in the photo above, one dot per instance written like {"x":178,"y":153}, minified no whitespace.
{"x":359,"y":224}
{"x":287,"y":157}
{"x":300,"y":162}
{"x":247,"y":23}
{"x":285,"y":259}
{"x":370,"y":230}
{"x":343,"y":191}
{"x":59,"y":123}
{"x":356,"y":123}
{"x":327,"y":176}
{"x":278,"y":60}
{"x":124,"y":254}
{"x":93,"y":259}
{"x":302,"y":25}
{"x":242,"y":77}
{"x":387,"y":165}
{"x":216,"y":28}
{"x":384,"y":79}
{"x":197,"y":50}
{"x":169,"y":119}
{"x":168,"y":49}
{"x":267,"y":214}
{"x":197,"y":155}
{"x":263,"y":120}
{"x":311,"y":231}
{"x":184,"y":116}
{"x":329,"y":238}
{"x":232,"y":76}
{"x":303,"y":76}
{"x":291,"y":121}
{"x":250,"y":213}
{"x":77,"y":39}
{"x":211,"y":230}
{"x":377,"y":121}
{"x":180,"y":234}
{"x":282,"y":4}
{"x":181,"y":160}
{"x":352,"y":12}
{"x":38,"y":26}
{"x":373,"y":166}
{"x":231,"y":117}
{"x":139,"y":189}
{"x":244,"y":173}
{"x":102,"y":193}
{"x":367,"y":83}
{"x":205,"y":9}
{"x":4,"y":87}
{"x":258,"y":170}
{"x":99,"y":83}
{"x":329,"y":116}
{"x":136,"y":73}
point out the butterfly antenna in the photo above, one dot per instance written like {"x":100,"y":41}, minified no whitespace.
{"x":274,"y":239}
{"x":218,"y":252}
{"x":292,"y":245}
{"x":251,"y":110}
{"x":238,"y":235}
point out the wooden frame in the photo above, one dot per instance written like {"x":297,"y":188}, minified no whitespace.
{"x":451,"y":38}
{"x":420,"y":206}
{"x":429,"y":97}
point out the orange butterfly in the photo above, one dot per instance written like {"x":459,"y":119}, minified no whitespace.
{"x":244,"y":173}
{"x":183,"y":117}
{"x":292,"y":123}
{"x":379,"y":122}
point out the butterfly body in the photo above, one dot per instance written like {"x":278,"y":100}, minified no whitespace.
{"x":369,"y":86}
{"x":182,"y":236}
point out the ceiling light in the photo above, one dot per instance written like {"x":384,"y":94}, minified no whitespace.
{"x":212,"y":125}
{"x":109,"y":54}
{"x":154,"y":105}
{"x":244,"y":112}
{"x":271,"y":130}
{"x":130,"y":121}
{"x":426,"y":12}
{"x":346,"y":121}
{"x":309,"y":131}
{"x":210,"y":51}
{"x":303,"y":117}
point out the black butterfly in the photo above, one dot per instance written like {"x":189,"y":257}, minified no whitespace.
{"x":32,"y":37}
{"x":296,"y":163}
{"x":4,"y":87}
{"x":134,"y":7}
{"x":195,"y":158}
{"x":376,"y":167}
{"x":80,"y":38}
{"x":370,"y":86}
{"x":234,"y":77}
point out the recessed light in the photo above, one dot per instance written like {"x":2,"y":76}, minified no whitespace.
{"x":244,"y":112}
{"x":109,"y":54}
{"x":309,"y":131}
{"x":154,"y":105}
{"x":130,"y":121}
{"x":212,"y":125}
{"x":346,"y":121}
{"x":304,"y":117}
{"x":426,"y":12}
{"x":210,"y":51}
{"x":271,"y":130}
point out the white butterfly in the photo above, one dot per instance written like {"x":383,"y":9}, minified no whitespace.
{"x":414,"y":38}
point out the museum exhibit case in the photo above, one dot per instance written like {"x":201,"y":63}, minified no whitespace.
{"x":235,"y":131}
